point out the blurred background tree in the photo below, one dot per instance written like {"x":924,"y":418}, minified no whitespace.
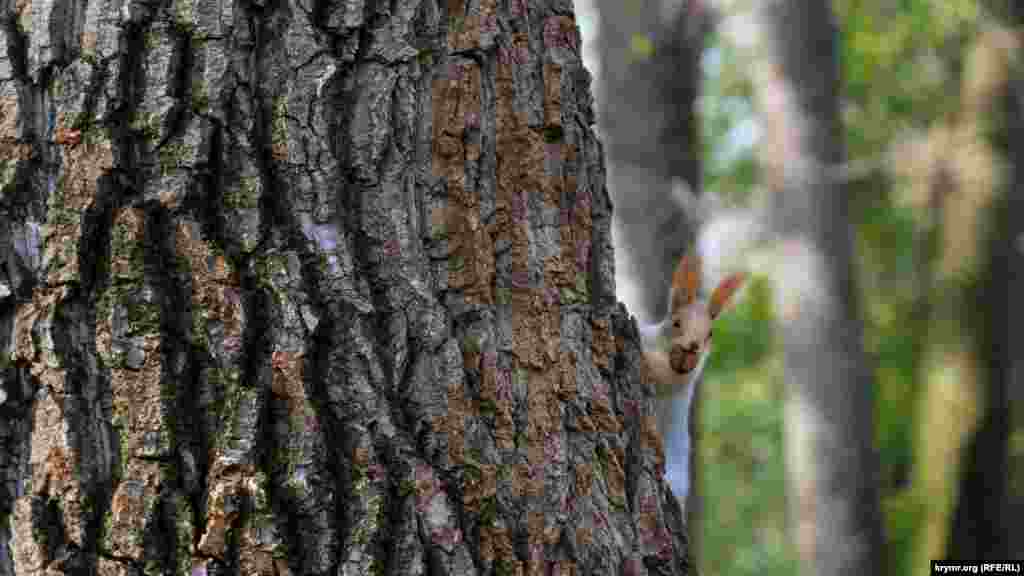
{"x":930,"y":110}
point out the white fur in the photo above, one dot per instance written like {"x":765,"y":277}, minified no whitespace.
{"x":677,"y":435}
{"x":672,"y":413}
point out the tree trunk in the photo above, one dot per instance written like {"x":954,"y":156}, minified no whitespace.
{"x":649,"y":83}
{"x":314,"y":288}
{"x":829,"y":413}
{"x":963,"y":473}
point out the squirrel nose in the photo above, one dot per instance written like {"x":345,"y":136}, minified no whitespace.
{"x":684,"y":358}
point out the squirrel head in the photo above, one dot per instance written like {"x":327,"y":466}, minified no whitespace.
{"x":691,"y":317}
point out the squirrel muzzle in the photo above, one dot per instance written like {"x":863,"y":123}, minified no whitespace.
{"x":682,"y":360}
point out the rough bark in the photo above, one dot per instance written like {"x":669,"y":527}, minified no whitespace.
{"x":315,"y":288}
{"x":832,"y":466}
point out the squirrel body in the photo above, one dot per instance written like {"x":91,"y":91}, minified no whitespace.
{"x":675,"y":352}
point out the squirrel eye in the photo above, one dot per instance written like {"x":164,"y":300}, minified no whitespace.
{"x":675,"y":324}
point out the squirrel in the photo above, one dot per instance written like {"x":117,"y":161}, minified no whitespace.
{"x":675,"y":352}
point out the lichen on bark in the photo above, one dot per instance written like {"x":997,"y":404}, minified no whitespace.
{"x":313,"y":288}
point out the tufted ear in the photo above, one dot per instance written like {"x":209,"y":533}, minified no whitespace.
{"x":685,"y":282}
{"x":723,"y":293}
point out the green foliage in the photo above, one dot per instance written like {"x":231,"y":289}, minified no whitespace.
{"x":743,"y":334}
{"x":903,"y":515}
{"x":896,"y":67}
{"x":901,"y":72}
{"x":727,"y":112}
{"x":744,"y":519}
{"x":901,"y":68}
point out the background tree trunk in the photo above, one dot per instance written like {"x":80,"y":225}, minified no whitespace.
{"x":314,"y":288}
{"x":648,"y":87}
{"x":649,"y":82}
{"x":831,"y":462}
{"x":964,"y":475}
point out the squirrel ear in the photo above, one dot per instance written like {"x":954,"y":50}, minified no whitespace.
{"x":685,"y":281}
{"x":723,"y":293}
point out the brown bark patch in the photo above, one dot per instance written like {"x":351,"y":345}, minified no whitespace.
{"x":463,"y":28}
{"x":496,"y":393}
{"x":604,"y":413}
{"x":480,"y":485}
{"x":132,"y":506}
{"x":53,"y":463}
{"x":455,"y":423}
{"x":286,"y":381}
{"x":456,"y":129}
{"x":473,"y":30}
{"x":137,"y":401}
{"x":603,"y":343}
{"x":29,"y":557}
{"x":584,"y":479}
{"x":11,"y":149}
{"x":544,"y":409}
{"x":89,"y":40}
{"x":495,"y":542}
{"x":576,"y":230}
{"x":584,"y":536}
{"x":108,"y":567}
{"x":230,"y":484}
{"x":535,"y":541}
{"x":215,"y":285}
{"x":536,"y":329}
{"x":126,"y":245}
{"x":565,"y":568}
{"x":655,"y":539}
{"x":75,"y":192}
{"x":52,"y":459}
{"x":521,"y":168}
{"x":220,"y":516}
{"x":25,"y":318}
{"x":552,"y":95}
{"x":585,"y":423}
{"x":650,"y":439}
{"x":561,"y":32}
{"x":455,"y":97}
{"x":520,"y":475}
